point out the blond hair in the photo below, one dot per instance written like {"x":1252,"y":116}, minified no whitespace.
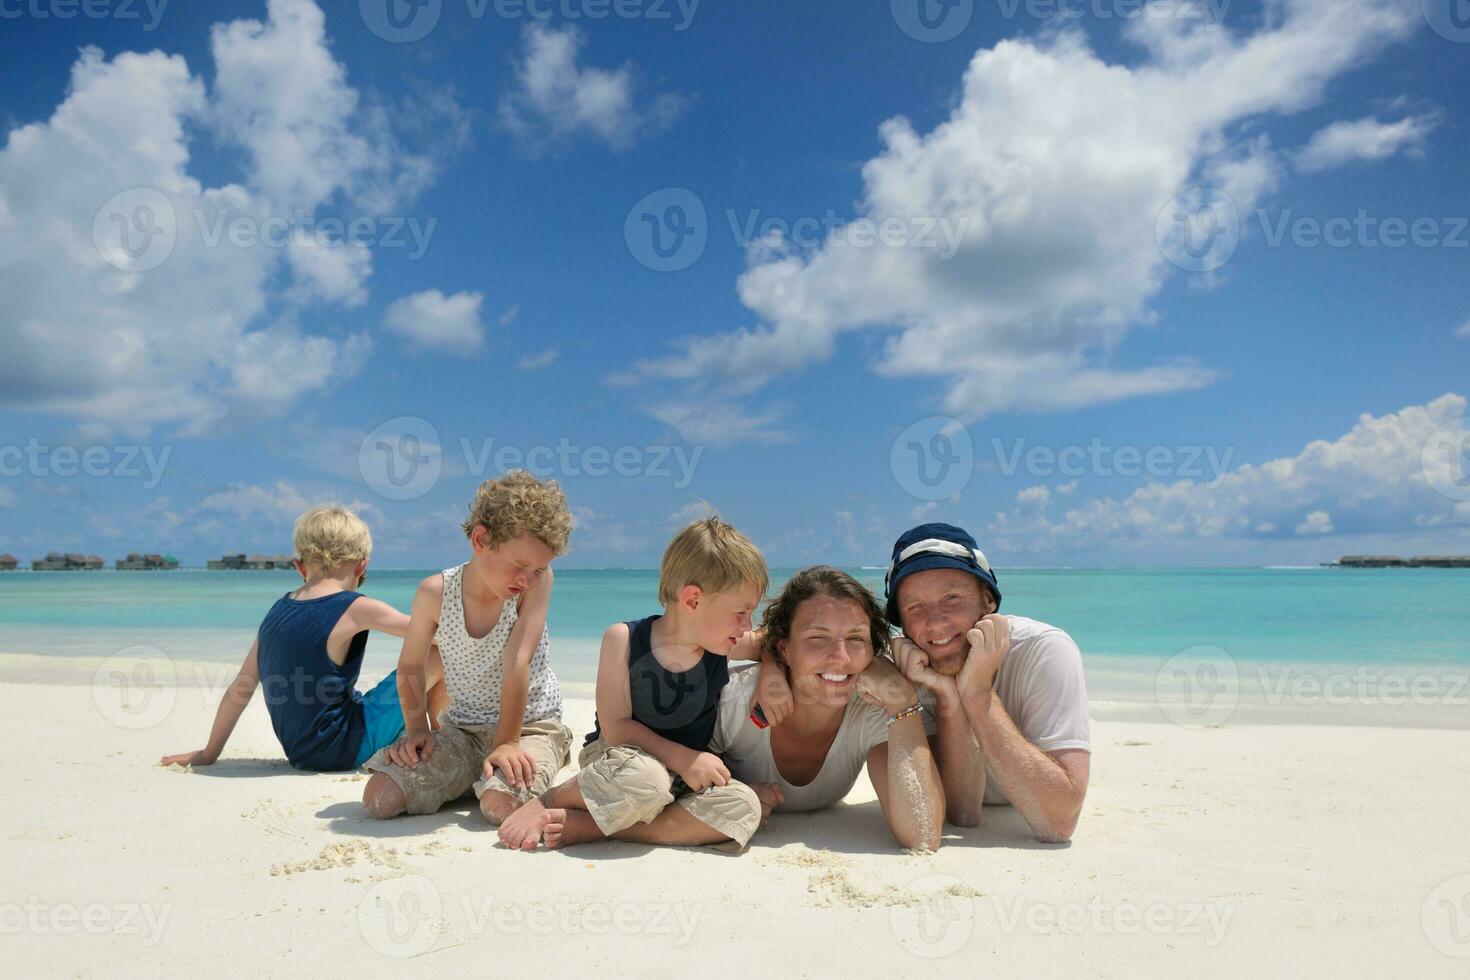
{"x":712,"y":555}
{"x":519,"y":503}
{"x":327,"y":536}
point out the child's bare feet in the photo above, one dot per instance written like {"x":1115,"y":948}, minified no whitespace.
{"x":523,"y":829}
{"x":555,"y":827}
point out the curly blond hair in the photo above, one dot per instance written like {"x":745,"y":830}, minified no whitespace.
{"x":519,"y":503}
{"x":327,"y":536}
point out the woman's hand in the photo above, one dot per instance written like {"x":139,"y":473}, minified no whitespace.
{"x":882,"y":685}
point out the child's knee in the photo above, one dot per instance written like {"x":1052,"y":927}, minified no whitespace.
{"x":497,"y":806}
{"x":382,"y":797}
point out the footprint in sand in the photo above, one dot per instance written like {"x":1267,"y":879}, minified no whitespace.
{"x":275,"y":819}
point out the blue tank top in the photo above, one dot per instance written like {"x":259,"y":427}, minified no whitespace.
{"x":313,"y":704}
{"x":682,"y":707}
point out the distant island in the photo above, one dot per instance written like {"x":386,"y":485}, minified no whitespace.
{"x":1393,"y":561}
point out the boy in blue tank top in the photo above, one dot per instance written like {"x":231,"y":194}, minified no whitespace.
{"x":308,"y":652}
{"x":658,"y":695}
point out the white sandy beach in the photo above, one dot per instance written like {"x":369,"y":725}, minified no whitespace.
{"x":1252,"y":850}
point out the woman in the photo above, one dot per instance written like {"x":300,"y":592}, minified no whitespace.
{"x":851,"y":708}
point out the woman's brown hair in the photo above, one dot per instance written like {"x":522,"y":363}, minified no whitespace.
{"x":826,"y":581}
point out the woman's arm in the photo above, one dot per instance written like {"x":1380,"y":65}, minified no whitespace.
{"x":906,"y":779}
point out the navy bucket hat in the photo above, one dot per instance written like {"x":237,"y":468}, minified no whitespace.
{"x":934,"y":546}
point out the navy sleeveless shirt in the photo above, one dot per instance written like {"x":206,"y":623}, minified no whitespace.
{"x":313,"y":704}
{"x":681,"y":707}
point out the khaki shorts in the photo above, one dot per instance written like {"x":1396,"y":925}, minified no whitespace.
{"x":458,"y":762}
{"x":623,"y":785}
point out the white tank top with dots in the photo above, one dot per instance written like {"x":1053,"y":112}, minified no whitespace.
{"x":473,"y":667}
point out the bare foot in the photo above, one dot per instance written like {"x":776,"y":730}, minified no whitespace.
{"x":556,"y":825}
{"x":522,"y":829}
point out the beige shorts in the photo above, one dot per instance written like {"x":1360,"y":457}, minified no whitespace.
{"x":623,"y":785}
{"x":458,"y":762}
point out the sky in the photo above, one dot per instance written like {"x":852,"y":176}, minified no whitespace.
{"x":1107,"y":283}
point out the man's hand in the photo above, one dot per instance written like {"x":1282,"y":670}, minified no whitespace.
{"x":772,"y":693}
{"x":410,"y":750}
{"x":914,"y":663}
{"x":198,"y":758}
{"x":515,"y":764}
{"x":990,"y":641}
{"x":882,"y":685}
{"x":705,"y":771}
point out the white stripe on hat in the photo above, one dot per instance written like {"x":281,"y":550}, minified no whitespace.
{"x":938,"y":546}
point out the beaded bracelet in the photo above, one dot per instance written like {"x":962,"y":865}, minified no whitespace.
{"x":906,"y":712}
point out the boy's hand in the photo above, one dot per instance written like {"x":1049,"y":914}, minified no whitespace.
{"x":199,"y":758}
{"x":514,"y":763}
{"x":882,"y":685}
{"x":772,"y":693}
{"x":410,"y":750}
{"x":705,"y":771}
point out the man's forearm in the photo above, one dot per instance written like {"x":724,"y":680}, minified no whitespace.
{"x":1040,"y":789}
{"x":961,"y":764}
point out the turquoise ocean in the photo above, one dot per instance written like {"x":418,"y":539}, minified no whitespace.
{"x":1128,"y":622}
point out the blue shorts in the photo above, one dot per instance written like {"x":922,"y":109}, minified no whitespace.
{"x":382,"y":717}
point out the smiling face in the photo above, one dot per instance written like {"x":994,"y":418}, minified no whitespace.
{"x":512,"y":567}
{"x":938,"y":607}
{"x":830,"y":643}
{"x":719,"y":619}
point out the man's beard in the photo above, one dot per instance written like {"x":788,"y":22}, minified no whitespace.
{"x":950,"y":664}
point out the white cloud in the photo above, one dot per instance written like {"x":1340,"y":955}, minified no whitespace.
{"x":1372,"y":479}
{"x":714,"y":423}
{"x":7,"y":497}
{"x":1317,"y":522}
{"x":113,"y":341}
{"x":1463,"y":330}
{"x":276,"y":505}
{"x":696,"y":510}
{"x":556,"y":99}
{"x":510,"y":314}
{"x":538,"y":361}
{"x":431,"y":319}
{"x":1053,"y":167}
{"x":1367,"y":139}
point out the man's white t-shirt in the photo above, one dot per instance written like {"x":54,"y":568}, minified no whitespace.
{"x":1041,"y":686}
{"x":746,"y":748}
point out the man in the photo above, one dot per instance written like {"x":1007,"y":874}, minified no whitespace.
{"x":1008,"y":691}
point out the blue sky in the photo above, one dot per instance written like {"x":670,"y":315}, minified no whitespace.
{"x":1028,"y":318}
